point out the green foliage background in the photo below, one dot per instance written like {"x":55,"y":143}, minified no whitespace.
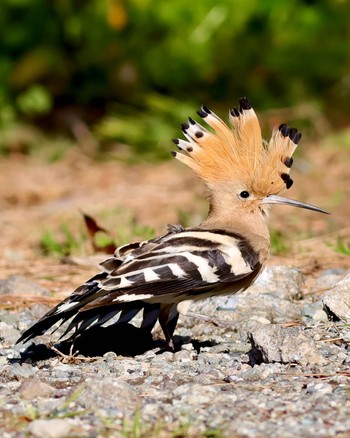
{"x":131,"y":69}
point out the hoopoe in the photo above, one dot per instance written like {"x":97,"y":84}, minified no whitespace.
{"x":223,"y":255}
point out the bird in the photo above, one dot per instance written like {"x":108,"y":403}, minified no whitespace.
{"x":223,"y":255}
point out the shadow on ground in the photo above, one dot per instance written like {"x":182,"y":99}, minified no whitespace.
{"x":122,"y":339}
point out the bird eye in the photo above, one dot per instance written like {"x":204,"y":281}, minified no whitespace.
{"x":244,"y":194}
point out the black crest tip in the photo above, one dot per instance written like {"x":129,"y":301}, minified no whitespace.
{"x":173,"y":153}
{"x":184,"y":127}
{"x":289,"y":183}
{"x":284,"y":130}
{"x":285,"y":177}
{"x":244,"y":104}
{"x":234,"y":112}
{"x":296,"y":137}
{"x":202,"y":113}
{"x":175,"y":141}
{"x":292,"y":133}
{"x":288,"y":161}
{"x":206,"y":109}
{"x":191,"y":121}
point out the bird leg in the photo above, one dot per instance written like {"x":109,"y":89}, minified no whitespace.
{"x":168,"y":317}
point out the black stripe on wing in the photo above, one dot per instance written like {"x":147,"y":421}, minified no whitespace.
{"x":169,"y":288}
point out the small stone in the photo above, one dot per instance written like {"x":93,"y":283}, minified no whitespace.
{"x":187,"y":347}
{"x":337,"y":300}
{"x":254,"y":374}
{"x":53,"y":428}
{"x":110,"y":356}
{"x":8,"y":334}
{"x":23,"y":371}
{"x":319,"y":388}
{"x":320,"y":315}
{"x":185,"y":355}
{"x":283,"y":344}
{"x":32,"y":387}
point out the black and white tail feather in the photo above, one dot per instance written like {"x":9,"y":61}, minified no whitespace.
{"x":223,"y":255}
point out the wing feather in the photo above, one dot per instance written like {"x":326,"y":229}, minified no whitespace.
{"x":175,"y":267}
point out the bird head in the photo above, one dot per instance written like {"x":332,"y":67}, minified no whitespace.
{"x":242,"y":171}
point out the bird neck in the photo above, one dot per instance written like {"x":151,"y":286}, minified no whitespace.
{"x":249,"y":224}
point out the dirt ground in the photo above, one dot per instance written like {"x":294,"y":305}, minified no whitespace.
{"x":37,"y":196}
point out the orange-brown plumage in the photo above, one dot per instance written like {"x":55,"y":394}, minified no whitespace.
{"x":239,"y":154}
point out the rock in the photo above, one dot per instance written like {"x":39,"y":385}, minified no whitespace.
{"x":337,"y":300}
{"x":283,"y":344}
{"x":32,"y":387}
{"x":8,"y":334}
{"x":267,"y":301}
{"x":269,"y":308}
{"x":283,"y":281}
{"x":53,"y":428}
{"x":328,"y":279}
{"x":19,"y":285}
{"x":264,"y":308}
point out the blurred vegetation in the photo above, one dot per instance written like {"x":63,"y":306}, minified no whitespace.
{"x":125,"y":72}
{"x":90,"y":236}
{"x":342,"y":246}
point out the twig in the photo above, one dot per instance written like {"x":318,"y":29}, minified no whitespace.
{"x":72,"y":357}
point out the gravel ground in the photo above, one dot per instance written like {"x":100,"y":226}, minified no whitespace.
{"x":274,"y":364}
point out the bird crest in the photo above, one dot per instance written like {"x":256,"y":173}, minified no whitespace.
{"x":238,"y":154}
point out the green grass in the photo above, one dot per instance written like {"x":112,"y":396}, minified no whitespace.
{"x":61,"y":243}
{"x":124,"y":226}
{"x":135,"y":427}
{"x":341,"y":246}
{"x":280,"y":244}
{"x":66,"y":240}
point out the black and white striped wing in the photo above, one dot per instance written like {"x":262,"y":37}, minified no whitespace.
{"x":182,"y":265}
{"x":185,"y":262}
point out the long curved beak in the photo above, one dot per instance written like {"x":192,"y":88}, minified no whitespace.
{"x":273,"y":199}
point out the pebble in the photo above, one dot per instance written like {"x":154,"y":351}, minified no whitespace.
{"x":52,"y":428}
{"x":319,"y":388}
{"x":32,"y":388}
{"x":8,"y":334}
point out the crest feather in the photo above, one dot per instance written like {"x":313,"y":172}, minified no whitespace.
{"x":238,"y":154}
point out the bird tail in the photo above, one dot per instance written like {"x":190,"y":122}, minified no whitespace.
{"x":72,"y":308}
